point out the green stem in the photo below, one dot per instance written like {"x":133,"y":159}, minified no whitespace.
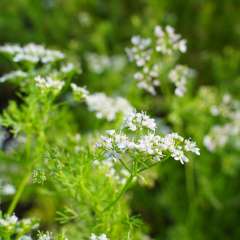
{"x":151,"y":165}
{"x":18,"y":193}
{"x":120,"y":194}
{"x":189,"y":181}
{"x":191,"y":193}
{"x":124,"y":164}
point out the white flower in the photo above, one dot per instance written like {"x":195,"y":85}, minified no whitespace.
{"x":107,"y":107}
{"x":8,"y":189}
{"x":136,"y":121}
{"x":100,"y":63}
{"x":32,"y":53}
{"x":159,"y":31}
{"x":144,"y":52}
{"x":220,"y":135}
{"x":179,"y":76}
{"x":191,"y":146}
{"x":209,"y":143}
{"x":81,"y":92}
{"x":12,"y":219}
{"x":121,"y":145}
{"x":168,"y":41}
{"x":45,"y":236}
{"x":67,"y":68}
{"x":49,"y":83}
{"x":100,"y":237}
{"x":178,"y":155}
{"x":13,"y":75}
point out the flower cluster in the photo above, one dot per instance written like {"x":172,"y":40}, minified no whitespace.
{"x":168,"y":42}
{"x":132,"y":147}
{"x":179,"y":76}
{"x":31,"y":53}
{"x":107,"y":107}
{"x":11,"y":225}
{"x":100,"y":63}
{"x":220,"y":135}
{"x":227,"y":108}
{"x":152,"y":57}
{"x":137,"y":121}
{"x":66,"y":68}
{"x":6,"y":189}
{"x":100,"y":237}
{"x":79,"y":92}
{"x":13,"y":75}
{"x":49,"y":83}
{"x":45,"y":236}
{"x":141,"y":53}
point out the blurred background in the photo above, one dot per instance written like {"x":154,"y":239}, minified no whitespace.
{"x":207,"y":205}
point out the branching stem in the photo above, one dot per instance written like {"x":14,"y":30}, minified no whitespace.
{"x":19,"y":193}
{"x":120,"y":194}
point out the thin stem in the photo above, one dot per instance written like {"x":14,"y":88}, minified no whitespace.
{"x":120,"y":194}
{"x":191,"y":193}
{"x":190,"y":181}
{"x":151,"y":165}
{"x":18,"y":193}
{"x":125,"y":165}
{"x":147,"y":167}
{"x":23,"y":183}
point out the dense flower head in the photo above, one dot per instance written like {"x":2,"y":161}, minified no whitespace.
{"x":141,"y":51}
{"x":12,"y":75}
{"x":148,"y":78}
{"x":179,"y":76}
{"x":107,"y":107}
{"x":119,"y":145}
{"x":79,"y":92}
{"x":99,"y":63}
{"x":228,"y":107}
{"x":220,"y":135}
{"x":6,"y":189}
{"x":69,"y":67}
{"x":136,"y":121}
{"x":11,"y":225}
{"x":45,"y":236}
{"x":168,"y":41}
{"x":48,"y":83}
{"x":98,"y":237}
{"x":152,"y":57}
{"x":32,"y":53}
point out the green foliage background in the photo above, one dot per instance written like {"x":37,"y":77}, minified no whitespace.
{"x":200,"y":200}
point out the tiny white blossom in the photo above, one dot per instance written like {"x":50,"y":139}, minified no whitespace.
{"x":100,"y":237}
{"x":191,"y":146}
{"x":107,"y":107}
{"x":13,"y":75}
{"x":49,"y":83}
{"x":82,"y":92}
{"x":67,"y":68}
{"x":32,"y":53}
{"x":144,"y":52}
{"x":8,"y":189}
{"x":136,"y":121}
{"x":179,"y":76}
{"x":100,"y":63}
{"x":45,"y":236}
{"x":220,"y":135}
{"x":122,"y":145}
